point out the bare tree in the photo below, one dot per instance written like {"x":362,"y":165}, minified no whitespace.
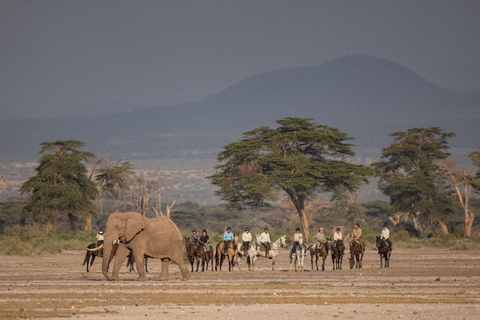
{"x":461,"y":177}
{"x":142,"y":189}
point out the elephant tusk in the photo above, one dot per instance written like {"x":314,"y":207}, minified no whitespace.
{"x":96,"y":249}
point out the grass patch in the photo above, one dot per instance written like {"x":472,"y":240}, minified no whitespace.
{"x":32,"y":240}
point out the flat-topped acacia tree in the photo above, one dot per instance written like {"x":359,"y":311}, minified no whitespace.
{"x":299,"y":158}
{"x":61,"y":187}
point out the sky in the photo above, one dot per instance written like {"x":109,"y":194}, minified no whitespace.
{"x":89,"y":58}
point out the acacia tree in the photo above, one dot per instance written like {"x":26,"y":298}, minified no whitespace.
{"x":299,"y":158}
{"x":411,"y":176}
{"x":113,"y":180}
{"x":61,"y":187}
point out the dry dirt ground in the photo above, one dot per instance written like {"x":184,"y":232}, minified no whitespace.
{"x":427,"y":283}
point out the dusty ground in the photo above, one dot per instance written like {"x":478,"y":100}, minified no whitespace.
{"x":420,"y":284}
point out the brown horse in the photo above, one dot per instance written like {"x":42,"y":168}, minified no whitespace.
{"x":337,"y":254}
{"x":319,"y":250}
{"x":208,"y":258}
{"x":230,"y":248}
{"x":356,"y":254}
{"x":193,"y":252}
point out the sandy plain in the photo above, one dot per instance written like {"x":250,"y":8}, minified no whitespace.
{"x":427,"y":283}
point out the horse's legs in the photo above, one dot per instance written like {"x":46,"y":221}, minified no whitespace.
{"x":92,"y":258}
{"x":323,"y":262}
{"x":381,"y":260}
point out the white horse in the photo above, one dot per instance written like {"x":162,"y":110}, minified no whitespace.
{"x":298,"y":255}
{"x":254,"y":252}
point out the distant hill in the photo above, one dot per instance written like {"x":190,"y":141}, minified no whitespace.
{"x":366,"y":97}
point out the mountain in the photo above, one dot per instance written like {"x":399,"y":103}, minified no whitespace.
{"x":366,"y":97}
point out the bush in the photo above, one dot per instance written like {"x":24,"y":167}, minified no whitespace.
{"x":32,"y":239}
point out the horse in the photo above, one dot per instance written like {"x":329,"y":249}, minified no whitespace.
{"x":319,"y":250}
{"x":356,"y":255}
{"x":193,"y":252}
{"x":131,"y":262}
{"x":254,"y":252}
{"x":384,"y":250}
{"x":209,"y":255}
{"x":231,"y":253}
{"x":337,"y":254}
{"x":297,"y":256}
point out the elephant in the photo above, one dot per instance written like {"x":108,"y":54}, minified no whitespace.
{"x":154,"y":238}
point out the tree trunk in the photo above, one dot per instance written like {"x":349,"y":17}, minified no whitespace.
{"x":442,"y":226}
{"x":88,"y":222}
{"x":468,"y":224}
{"x":304,"y":222}
{"x":50,"y":226}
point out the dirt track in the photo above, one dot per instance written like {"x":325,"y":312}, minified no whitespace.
{"x":420,"y":284}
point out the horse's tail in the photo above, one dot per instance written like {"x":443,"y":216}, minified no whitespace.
{"x":87,"y":255}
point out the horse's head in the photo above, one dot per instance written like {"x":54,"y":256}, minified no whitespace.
{"x":377,"y":241}
{"x":235,"y":237}
{"x":352,"y":262}
{"x":283,"y":241}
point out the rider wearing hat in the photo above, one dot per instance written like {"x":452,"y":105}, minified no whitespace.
{"x":386,"y":234}
{"x":265,"y":241}
{"x":205,"y":239}
{"x":100,"y":238}
{"x":227,"y":236}
{"x":357,"y":235}
{"x":246,"y":238}
{"x":320,"y":237}
{"x":194,"y":235}
{"x":337,"y":235}
{"x":297,"y":238}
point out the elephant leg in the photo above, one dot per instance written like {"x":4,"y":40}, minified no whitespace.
{"x":164,"y":273}
{"x":177,"y":256}
{"x":138,"y":256}
{"x":121,"y":255}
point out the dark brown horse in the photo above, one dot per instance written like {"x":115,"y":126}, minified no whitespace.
{"x":384,"y":250}
{"x":208,"y":258}
{"x":319,"y":250}
{"x":94,"y":251}
{"x":193,"y":252}
{"x":131,"y":262}
{"x":337,"y":254}
{"x":356,"y":254}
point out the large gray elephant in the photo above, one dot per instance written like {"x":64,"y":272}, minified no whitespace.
{"x":156,"y":238}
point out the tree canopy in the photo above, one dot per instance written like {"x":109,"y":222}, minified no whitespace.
{"x":411,"y":176}
{"x":61,"y":187}
{"x":299,"y":158}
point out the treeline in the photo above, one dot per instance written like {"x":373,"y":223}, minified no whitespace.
{"x":294,"y":175}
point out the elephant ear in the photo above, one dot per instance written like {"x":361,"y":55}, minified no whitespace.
{"x":134,"y":226}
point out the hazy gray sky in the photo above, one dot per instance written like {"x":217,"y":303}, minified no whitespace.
{"x":89,"y":57}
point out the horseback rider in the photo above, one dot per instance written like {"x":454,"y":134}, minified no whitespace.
{"x":194,"y":235}
{"x":297,"y":237}
{"x":386,"y":234}
{"x":205,"y":240}
{"x":357,"y":236}
{"x":265,"y":240}
{"x":227,"y":236}
{"x":100,"y":238}
{"x":336,"y":236}
{"x":246,"y":238}
{"x":320,"y":238}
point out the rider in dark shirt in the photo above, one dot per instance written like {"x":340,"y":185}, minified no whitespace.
{"x":205,"y":239}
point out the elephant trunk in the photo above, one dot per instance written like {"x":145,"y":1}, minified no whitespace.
{"x":107,"y":250}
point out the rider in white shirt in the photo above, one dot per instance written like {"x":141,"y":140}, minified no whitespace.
{"x":297,"y":238}
{"x":386,"y":234}
{"x":336,"y":236}
{"x":265,"y":241}
{"x":246,"y":238}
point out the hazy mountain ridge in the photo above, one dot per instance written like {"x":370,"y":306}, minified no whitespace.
{"x":363,"y":96}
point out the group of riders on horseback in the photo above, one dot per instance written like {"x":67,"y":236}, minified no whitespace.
{"x":265,"y":241}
